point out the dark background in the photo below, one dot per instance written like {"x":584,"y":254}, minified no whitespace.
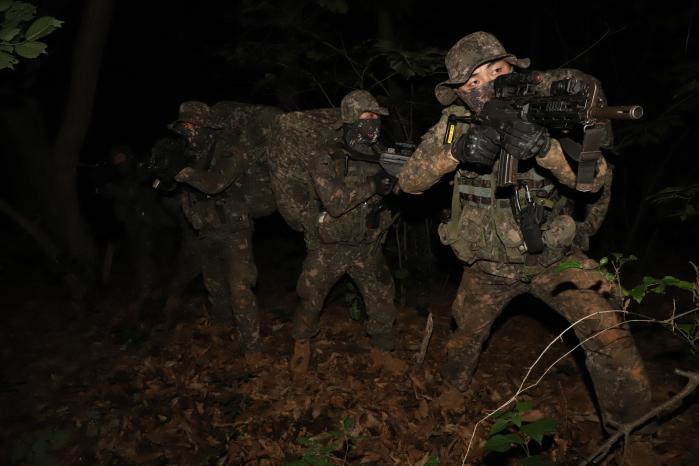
{"x":308,"y":54}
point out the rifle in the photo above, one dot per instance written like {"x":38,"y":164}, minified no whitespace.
{"x":168,"y":156}
{"x":567,"y":105}
{"x":391,"y":159}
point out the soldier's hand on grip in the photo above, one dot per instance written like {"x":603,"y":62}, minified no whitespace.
{"x":383,"y":182}
{"x":480,"y":146}
{"x":524,"y":140}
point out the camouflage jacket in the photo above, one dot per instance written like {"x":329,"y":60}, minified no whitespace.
{"x":346,"y":196}
{"x":483,"y":229}
{"x":233,"y":186}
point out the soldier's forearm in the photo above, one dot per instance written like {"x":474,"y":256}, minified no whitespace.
{"x":208,"y":183}
{"x":425,"y":169}
{"x":556,"y":162}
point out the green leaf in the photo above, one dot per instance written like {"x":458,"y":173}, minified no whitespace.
{"x":524,"y":407}
{"x":638,"y":292}
{"x":347,"y":423}
{"x":604,"y":261}
{"x":7,"y":34}
{"x":19,"y":12}
{"x":501,"y":443}
{"x":7,"y":48}
{"x":295,"y":463}
{"x":537,"y":430}
{"x":5,"y":4}
{"x":516,"y":419}
{"x":30,"y":49}
{"x":677,"y":283}
{"x":335,"y":6}
{"x":7,"y":61}
{"x":498,"y":426}
{"x":42,"y":27}
{"x":686,"y":329}
{"x":535,"y":460}
{"x":566,"y":265}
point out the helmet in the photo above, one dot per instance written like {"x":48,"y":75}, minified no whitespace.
{"x":357,"y":102}
{"x":466,"y":55}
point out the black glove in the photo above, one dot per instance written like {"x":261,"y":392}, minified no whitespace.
{"x":524,"y":140}
{"x":480,"y":146}
{"x":383,"y":182}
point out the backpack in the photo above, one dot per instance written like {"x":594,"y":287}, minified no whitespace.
{"x":294,"y":137}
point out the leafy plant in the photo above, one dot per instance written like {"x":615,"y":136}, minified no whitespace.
{"x":509,"y":430}
{"x":687,"y":327}
{"x":37,"y":448}
{"x":20,"y":32}
{"x":320,"y":449}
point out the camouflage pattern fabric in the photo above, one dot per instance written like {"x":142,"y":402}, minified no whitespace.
{"x":343,"y":243}
{"x":229,"y":186}
{"x":357,"y":102}
{"x":466,"y":55}
{"x":295,"y":136}
{"x":365,"y":264}
{"x":616,"y":368}
{"x":484,"y":234}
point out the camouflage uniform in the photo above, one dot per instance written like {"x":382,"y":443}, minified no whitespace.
{"x":484,"y":234}
{"x":230,"y":187}
{"x":340,"y":194}
{"x":140,"y":213}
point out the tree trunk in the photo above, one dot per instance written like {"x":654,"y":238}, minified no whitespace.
{"x":62,"y":209}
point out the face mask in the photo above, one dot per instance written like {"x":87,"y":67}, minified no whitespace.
{"x":363,"y":131}
{"x":478,"y":96}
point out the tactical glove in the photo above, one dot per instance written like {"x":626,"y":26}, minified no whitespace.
{"x":478,"y":147}
{"x":383,"y":182}
{"x":524,"y":140}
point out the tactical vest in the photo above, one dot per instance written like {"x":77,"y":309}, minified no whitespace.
{"x":351,"y":227}
{"x":225,"y":211}
{"x":482,"y":225}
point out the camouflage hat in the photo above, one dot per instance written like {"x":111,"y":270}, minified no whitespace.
{"x":468,"y":54}
{"x":357,"y":102}
{"x":199,"y":113}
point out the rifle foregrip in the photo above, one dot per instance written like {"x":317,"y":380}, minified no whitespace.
{"x":621,"y":112}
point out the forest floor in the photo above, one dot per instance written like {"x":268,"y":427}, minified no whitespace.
{"x":120,"y":385}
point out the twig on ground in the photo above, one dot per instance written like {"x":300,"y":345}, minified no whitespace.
{"x":626,"y":429}
{"x":425,"y":339}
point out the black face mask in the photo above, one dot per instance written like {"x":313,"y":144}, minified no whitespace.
{"x":363,"y":132}
{"x":478,"y":96}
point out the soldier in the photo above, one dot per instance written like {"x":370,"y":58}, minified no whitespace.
{"x":225,"y":176}
{"x":485,"y":235}
{"x":345,"y":235}
{"x":141,"y":215}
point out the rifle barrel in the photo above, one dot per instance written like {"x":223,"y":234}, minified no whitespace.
{"x":621,"y":112}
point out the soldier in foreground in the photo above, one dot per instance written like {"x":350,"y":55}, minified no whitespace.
{"x":344,"y":202}
{"x":227,"y":187}
{"x":507,"y":251}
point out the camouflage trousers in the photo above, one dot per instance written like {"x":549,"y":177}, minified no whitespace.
{"x":612,"y":359}
{"x":324,"y":265}
{"x":226,"y":262}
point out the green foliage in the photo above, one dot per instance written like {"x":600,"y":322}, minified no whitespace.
{"x":409,"y":63}
{"x":348,"y":292}
{"x":320,"y":449}
{"x":510,"y":430}
{"x":678,"y":201}
{"x":334,"y":6}
{"x":19,"y":32}
{"x":37,"y":448}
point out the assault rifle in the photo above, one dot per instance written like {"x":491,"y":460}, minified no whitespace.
{"x":568,"y":104}
{"x":391,"y":159}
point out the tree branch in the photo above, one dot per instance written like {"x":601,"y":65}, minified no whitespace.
{"x":626,"y":429}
